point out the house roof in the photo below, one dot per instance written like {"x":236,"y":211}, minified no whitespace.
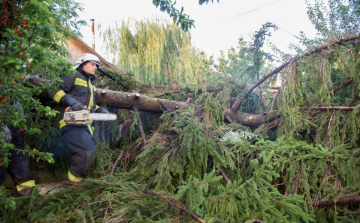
{"x":77,"y":47}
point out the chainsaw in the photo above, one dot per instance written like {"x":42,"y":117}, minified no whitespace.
{"x":83,"y":117}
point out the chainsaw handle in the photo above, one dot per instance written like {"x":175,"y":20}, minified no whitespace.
{"x":68,"y":108}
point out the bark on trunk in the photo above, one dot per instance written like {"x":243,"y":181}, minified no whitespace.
{"x":144,"y":103}
{"x":245,"y":118}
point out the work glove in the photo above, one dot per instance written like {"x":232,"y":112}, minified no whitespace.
{"x":103,"y":110}
{"x":74,"y":104}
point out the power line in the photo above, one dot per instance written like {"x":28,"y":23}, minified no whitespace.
{"x":247,"y":12}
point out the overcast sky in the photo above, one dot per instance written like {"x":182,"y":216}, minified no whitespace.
{"x":218,"y":25}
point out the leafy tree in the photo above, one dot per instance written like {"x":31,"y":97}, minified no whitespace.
{"x":157,"y":53}
{"x":335,"y":18}
{"x":32,"y":34}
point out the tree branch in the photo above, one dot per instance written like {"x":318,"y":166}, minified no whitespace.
{"x":117,"y":161}
{"x":237,"y":104}
{"x":174,"y":205}
{"x":342,"y":200}
{"x":343,"y":85}
{"x":141,"y":129}
{"x":223,"y":174}
{"x":344,"y":108}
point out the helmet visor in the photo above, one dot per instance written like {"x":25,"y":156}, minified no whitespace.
{"x":95,"y":62}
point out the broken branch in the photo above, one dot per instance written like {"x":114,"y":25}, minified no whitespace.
{"x":117,"y":161}
{"x":237,"y":104}
{"x":174,"y":205}
{"x":342,"y":200}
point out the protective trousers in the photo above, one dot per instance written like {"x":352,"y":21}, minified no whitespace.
{"x":81,"y":151}
{"x":18,"y":167}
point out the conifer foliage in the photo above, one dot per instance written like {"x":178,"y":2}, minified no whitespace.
{"x":197,"y":165}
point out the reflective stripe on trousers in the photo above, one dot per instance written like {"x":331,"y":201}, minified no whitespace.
{"x":30,"y":183}
{"x":73,"y":178}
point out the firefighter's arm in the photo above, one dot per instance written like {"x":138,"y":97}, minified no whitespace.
{"x":59,"y":94}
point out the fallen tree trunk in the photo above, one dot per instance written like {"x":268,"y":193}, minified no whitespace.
{"x":144,"y":103}
{"x":128,"y":100}
{"x":245,"y":118}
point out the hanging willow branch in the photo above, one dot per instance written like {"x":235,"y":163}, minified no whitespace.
{"x":237,"y":104}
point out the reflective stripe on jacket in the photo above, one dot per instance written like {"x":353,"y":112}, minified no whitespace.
{"x":81,"y":87}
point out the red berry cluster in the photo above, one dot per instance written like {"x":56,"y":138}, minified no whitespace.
{"x":25,"y":23}
{"x":10,"y":16}
{"x":3,"y":17}
{"x":18,"y":32}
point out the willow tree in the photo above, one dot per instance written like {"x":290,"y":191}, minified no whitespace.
{"x":156,"y":53}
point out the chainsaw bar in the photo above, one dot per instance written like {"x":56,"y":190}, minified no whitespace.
{"x":102,"y":117}
{"x":83,"y":117}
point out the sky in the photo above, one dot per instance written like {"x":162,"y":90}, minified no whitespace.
{"x":218,"y":26}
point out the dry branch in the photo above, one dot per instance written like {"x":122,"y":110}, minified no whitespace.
{"x":342,"y":200}
{"x":223,"y":174}
{"x":237,"y":104}
{"x":344,"y":108}
{"x":117,"y":161}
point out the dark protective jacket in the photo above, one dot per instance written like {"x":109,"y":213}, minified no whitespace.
{"x":81,"y":87}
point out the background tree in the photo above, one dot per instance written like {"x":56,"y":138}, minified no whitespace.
{"x":156,"y":53}
{"x":324,"y":80}
{"x":335,"y":19}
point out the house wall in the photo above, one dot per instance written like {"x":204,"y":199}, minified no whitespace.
{"x":75,"y":49}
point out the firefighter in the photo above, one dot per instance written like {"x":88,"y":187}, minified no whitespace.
{"x":79,"y":92}
{"x":18,"y":167}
